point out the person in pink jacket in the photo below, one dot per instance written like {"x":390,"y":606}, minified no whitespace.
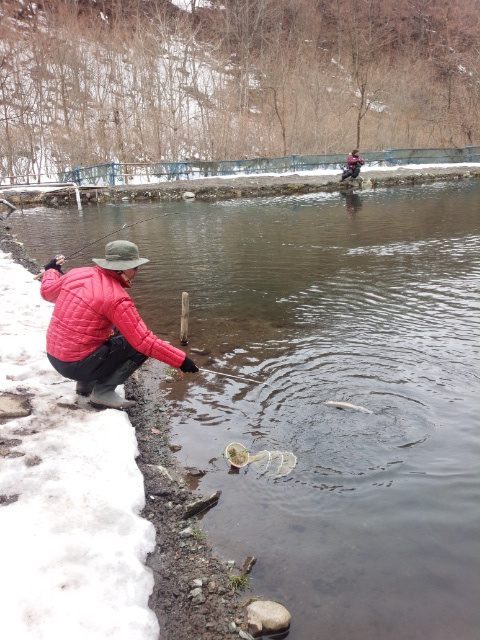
{"x":354,"y":163}
{"x":96,"y":335}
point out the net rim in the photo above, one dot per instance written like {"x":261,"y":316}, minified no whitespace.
{"x":227,"y":455}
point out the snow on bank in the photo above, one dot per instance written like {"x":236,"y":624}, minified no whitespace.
{"x":149,"y":180}
{"x":73,"y":545}
{"x":367,"y":167}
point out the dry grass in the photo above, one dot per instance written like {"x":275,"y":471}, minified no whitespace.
{"x":77,"y":91}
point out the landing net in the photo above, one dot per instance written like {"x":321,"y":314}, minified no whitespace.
{"x":272,"y":464}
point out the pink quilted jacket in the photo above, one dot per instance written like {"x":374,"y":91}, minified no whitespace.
{"x":88,"y":302}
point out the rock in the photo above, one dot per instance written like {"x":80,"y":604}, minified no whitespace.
{"x":212,"y":586}
{"x":200,"y":599}
{"x":201,"y":505}
{"x":254,"y":622}
{"x":188,"y":195}
{"x":266,"y":616}
{"x":13,"y":406}
{"x":197,"y":596}
{"x":165,"y":473}
{"x":195,"y":473}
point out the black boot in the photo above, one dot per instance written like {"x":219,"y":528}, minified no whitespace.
{"x":103,"y":393}
{"x":84,"y":388}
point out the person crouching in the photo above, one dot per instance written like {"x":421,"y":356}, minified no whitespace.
{"x":354,"y":164}
{"x":96,"y":335}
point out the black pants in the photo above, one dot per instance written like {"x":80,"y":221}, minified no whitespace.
{"x":350,"y":173}
{"x":101,"y":363}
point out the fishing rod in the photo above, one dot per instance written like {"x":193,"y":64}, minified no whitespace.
{"x":128,"y":226}
{"x":125,"y":226}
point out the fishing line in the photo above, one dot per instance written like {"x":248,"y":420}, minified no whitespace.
{"x":229,"y":375}
{"x":125,"y":226}
{"x":128,"y":226}
{"x":339,"y":405}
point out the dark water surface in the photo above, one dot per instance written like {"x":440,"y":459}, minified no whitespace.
{"x":371,"y":299}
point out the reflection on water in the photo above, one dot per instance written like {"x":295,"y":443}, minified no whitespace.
{"x":353,"y":201}
{"x":369,"y":298}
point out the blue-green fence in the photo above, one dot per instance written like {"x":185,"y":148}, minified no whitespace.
{"x":114,"y":173}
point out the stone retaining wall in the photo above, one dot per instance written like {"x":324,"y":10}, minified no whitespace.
{"x":232,"y":188}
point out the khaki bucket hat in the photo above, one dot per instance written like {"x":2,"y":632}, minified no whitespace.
{"x":120,"y":255}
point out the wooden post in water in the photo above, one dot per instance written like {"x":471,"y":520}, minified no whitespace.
{"x":184,"y":322}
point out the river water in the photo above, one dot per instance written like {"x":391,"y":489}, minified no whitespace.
{"x":371,"y":299}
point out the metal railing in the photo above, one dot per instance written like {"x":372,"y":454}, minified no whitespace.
{"x":115,"y":173}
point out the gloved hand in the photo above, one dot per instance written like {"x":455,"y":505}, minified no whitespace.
{"x":55,"y":263}
{"x":188,"y":366}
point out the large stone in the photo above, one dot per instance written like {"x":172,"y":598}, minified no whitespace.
{"x":13,"y":406}
{"x":266,"y":616}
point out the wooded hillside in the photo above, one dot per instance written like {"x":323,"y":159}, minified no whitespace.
{"x":85,"y":82}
